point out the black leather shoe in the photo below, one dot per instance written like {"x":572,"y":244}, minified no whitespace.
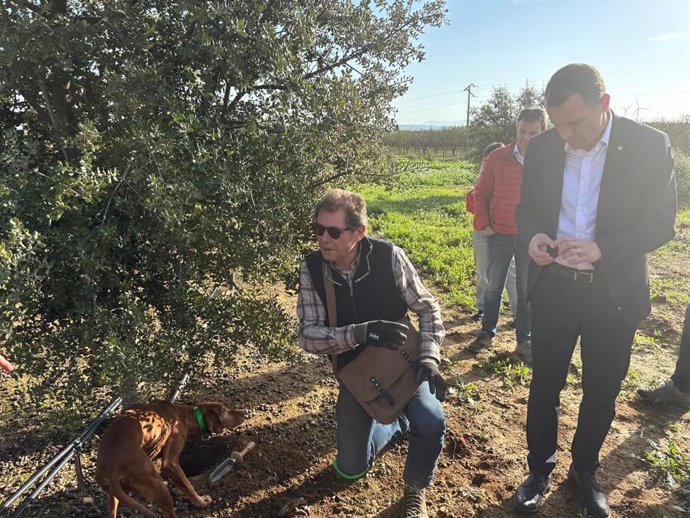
{"x":593,"y":498}
{"x":529,"y":497}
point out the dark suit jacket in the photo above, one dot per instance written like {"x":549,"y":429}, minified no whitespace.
{"x":636,"y":211}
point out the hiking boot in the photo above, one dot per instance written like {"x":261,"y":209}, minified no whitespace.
{"x":477,"y":317}
{"x":524,"y":351}
{"x":415,"y":503}
{"x":483,"y":340}
{"x":666,"y":393}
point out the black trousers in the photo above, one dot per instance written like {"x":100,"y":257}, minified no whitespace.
{"x":562,"y":312}
{"x":681,"y":376}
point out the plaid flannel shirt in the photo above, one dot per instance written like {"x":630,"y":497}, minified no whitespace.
{"x":315,"y":336}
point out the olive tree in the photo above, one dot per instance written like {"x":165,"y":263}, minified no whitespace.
{"x":158,"y":162}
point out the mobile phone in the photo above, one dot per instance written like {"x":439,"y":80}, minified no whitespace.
{"x":552,"y":251}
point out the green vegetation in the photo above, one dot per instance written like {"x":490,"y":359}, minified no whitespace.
{"x":632,"y":380}
{"x":464,"y":393}
{"x":426,"y":216}
{"x":511,"y":373}
{"x":671,"y":463}
{"x":669,"y":290}
{"x":682,"y":169}
{"x":158,"y":166}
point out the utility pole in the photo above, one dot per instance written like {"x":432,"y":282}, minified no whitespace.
{"x":468,"y":89}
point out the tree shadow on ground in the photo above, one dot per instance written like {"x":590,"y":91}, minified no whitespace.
{"x":626,"y":455}
{"x":287,"y":382}
{"x":560,"y":501}
{"x":283,"y":450}
{"x":320,"y":485}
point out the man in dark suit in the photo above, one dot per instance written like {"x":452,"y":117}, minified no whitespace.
{"x":598,"y":194}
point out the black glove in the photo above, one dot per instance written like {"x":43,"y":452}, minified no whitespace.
{"x":427,"y":369}
{"x":381,"y":333}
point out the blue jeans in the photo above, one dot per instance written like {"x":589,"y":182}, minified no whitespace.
{"x":481,"y":261}
{"x":502,"y":248}
{"x":361,"y":439}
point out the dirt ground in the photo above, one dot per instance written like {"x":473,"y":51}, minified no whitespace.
{"x":291,"y":418}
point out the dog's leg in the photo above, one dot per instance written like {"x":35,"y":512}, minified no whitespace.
{"x":112,"y":506}
{"x":155,"y":490}
{"x":127,"y":500}
{"x":170,"y":468}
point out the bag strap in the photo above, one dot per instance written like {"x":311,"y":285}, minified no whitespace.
{"x":330,"y":306}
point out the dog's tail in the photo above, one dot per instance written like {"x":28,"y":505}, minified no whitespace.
{"x":119,"y":493}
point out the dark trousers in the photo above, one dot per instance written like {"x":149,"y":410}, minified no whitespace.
{"x":681,"y":376}
{"x":562,"y":312}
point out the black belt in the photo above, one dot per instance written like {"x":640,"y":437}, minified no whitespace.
{"x":571,"y":274}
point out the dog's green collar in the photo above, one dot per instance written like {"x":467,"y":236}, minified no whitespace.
{"x":200,"y":420}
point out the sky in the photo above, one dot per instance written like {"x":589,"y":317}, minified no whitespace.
{"x":641,"y":48}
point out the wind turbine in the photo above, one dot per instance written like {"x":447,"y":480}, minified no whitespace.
{"x":637,"y":110}
{"x":625,"y":109}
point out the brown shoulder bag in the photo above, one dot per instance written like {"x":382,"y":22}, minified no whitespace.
{"x":382,"y":380}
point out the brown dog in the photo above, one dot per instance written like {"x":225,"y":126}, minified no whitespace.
{"x":143,"y":433}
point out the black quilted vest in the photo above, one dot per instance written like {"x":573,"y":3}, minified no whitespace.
{"x":374,"y":294}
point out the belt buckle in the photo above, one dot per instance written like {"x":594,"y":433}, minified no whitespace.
{"x":587,"y":277}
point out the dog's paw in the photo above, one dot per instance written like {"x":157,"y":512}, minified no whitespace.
{"x":204,"y":501}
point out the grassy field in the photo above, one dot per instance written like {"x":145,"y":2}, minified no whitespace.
{"x":426,"y":216}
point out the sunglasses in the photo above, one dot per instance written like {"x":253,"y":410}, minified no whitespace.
{"x":334,"y":232}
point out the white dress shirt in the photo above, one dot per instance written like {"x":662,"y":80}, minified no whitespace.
{"x":580,"y":195}
{"x":518,"y":156}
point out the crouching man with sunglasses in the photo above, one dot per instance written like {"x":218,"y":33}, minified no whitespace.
{"x":375,"y":285}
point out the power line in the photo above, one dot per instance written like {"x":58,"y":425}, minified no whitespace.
{"x":440,"y":94}
{"x":468,"y":89}
{"x":615,"y":72}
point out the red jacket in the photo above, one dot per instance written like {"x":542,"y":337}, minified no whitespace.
{"x":497,"y":192}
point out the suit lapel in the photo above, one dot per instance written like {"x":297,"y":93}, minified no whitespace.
{"x":613,"y":177}
{"x":553,"y":185}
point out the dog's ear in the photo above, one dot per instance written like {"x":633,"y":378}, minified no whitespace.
{"x":218,"y":417}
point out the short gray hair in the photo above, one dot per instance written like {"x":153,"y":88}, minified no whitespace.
{"x":352,"y":203}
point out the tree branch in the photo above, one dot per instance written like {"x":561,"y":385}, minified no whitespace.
{"x":53,"y":120}
{"x":235,"y":100}
{"x":28,"y":5}
{"x":112,"y":194}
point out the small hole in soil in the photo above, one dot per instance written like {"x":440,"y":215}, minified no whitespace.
{"x":478,"y":479}
{"x":200,"y":456}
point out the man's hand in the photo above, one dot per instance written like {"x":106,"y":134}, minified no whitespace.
{"x":575,"y":251}
{"x":381,"y":333}
{"x":488,"y":231}
{"x":538,"y":249}
{"x":427,"y":369}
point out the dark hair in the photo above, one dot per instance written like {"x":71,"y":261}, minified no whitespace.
{"x":353,"y":204}
{"x":492,"y":147}
{"x":576,"y":78}
{"x":532,"y":115}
